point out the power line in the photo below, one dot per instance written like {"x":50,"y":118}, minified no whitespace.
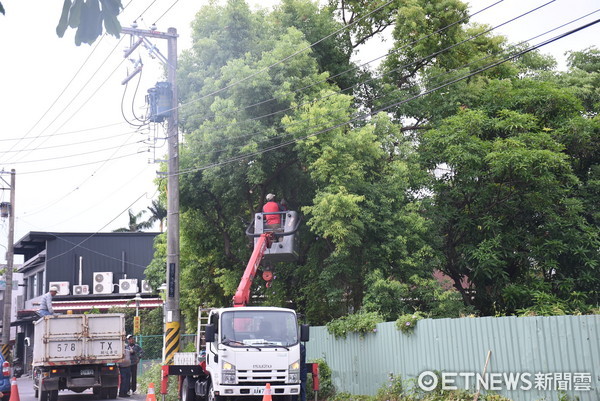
{"x":80,"y":91}
{"x":76,"y":245}
{"x":80,"y":165}
{"x":414,"y":42}
{"x":61,"y":93}
{"x":101,"y":200}
{"x":47,"y":205}
{"x":61,"y":157}
{"x":421,"y":60}
{"x":231,"y":85}
{"x":72,"y":143}
{"x":163,"y":14}
{"x":75,"y":97}
{"x":433,"y":54}
{"x":143,"y":12}
{"x":395,"y":104}
{"x":67,"y":132}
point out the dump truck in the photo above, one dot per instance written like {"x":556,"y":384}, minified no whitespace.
{"x":78,"y":352}
{"x":241,"y":349}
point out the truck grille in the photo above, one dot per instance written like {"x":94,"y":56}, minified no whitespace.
{"x":262,"y":376}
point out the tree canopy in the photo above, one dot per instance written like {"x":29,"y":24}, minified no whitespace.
{"x":493,"y":180}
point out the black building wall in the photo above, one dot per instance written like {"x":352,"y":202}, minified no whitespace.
{"x":126,"y":255}
{"x":60,"y":257}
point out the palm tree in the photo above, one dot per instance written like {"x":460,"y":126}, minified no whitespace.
{"x":159,"y":213}
{"x":134,"y":224}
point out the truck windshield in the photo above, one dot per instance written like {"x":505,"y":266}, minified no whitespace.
{"x":259,"y":328}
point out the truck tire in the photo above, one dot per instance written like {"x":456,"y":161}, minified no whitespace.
{"x":53,"y":395}
{"x":43,"y":395}
{"x":187,"y":392}
{"x":110,"y":393}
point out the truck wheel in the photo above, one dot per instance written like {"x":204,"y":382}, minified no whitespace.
{"x":112,"y":393}
{"x":187,"y":392}
{"x":53,"y":395}
{"x":43,"y":395}
{"x":109,"y":393}
{"x":211,"y":394}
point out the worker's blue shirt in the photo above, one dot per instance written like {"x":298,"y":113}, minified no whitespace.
{"x":46,"y":303}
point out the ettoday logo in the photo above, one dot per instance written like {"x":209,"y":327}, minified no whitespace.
{"x":510,"y":381}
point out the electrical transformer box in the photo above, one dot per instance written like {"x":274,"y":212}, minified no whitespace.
{"x":159,"y":102}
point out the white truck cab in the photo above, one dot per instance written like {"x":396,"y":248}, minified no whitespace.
{"x":248,"y":347}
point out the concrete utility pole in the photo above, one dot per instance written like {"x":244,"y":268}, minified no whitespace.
{"x":10,"y":252}
{"x":172,"y":312}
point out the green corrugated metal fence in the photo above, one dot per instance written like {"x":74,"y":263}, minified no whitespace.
{"x":556,"y":353}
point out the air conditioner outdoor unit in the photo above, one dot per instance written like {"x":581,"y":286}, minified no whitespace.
{"x":128,"y":286}
{"x":82,"y":289}
{"x":146,"y":289}
{"x":103,"y":283}
{"x":63,"y":287}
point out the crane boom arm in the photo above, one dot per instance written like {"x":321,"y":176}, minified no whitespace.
{"x":242,"y":295}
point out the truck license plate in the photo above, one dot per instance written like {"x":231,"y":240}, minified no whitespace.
{"x":87,"y":372}
{"x":258,"y":391}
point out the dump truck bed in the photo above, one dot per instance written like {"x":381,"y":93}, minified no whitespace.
{"x":79,"y":339}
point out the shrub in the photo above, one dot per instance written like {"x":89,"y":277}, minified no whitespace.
{"x":326,"y":387}
{"x":407,"y":323}
{"x":361,"y":323}
{"x":153,"y":375}
{"x":392,"y":390}
{"x":350,"y":397}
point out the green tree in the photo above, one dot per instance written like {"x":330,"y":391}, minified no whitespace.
{"x":391,"y":298}
{"x":135,"y":224}
{"x":352,"y":183}
{"x":158,"y":213}
{"x":506,"y":209}
{"x":492,"y":180}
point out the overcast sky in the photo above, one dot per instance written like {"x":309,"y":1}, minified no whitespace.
{"x":80,"y":165}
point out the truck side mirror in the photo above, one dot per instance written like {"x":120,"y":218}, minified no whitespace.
{"x":209,"y":333}
{"x":304,"y":332}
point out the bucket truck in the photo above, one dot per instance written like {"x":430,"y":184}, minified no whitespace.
{"x":242,"y":348}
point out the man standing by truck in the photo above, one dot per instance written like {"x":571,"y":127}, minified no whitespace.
{"x":136,"y":355}
{"x":125,"y":371}
{"x":46,"y":302}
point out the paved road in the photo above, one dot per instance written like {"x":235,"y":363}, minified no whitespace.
{"x":26,"y":393}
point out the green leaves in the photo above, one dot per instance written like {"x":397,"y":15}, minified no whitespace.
{"x":361,"y":323}
{"x":64,"y":19}
{"x":494,"y":180}
{"x":75,"y":14}
{"x":87,"y":17}
{"x":507,"y":206}
{"x":338,"y":217}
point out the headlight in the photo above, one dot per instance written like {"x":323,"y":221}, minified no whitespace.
{"x":228,"y":373}
{"x":294,"y":372}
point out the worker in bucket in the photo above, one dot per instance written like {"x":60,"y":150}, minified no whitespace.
{"x":272,"y":220}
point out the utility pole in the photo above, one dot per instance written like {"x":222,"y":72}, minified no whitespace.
{"x":172,"y":312}
{"x":10,"y":252}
